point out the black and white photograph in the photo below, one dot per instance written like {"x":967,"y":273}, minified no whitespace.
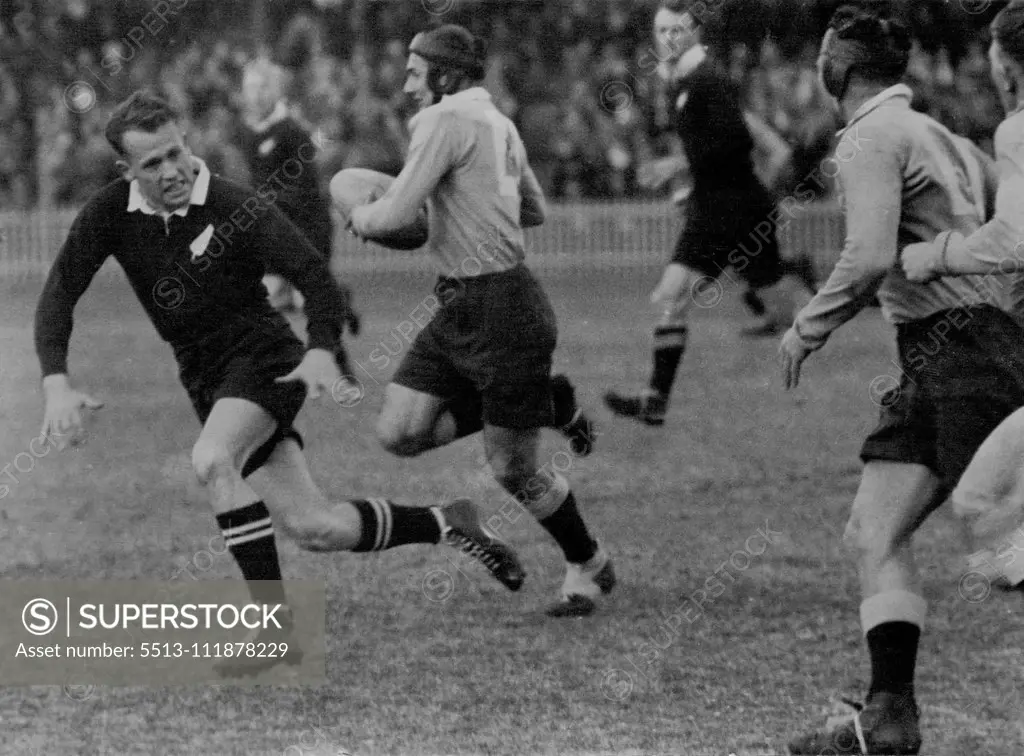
{"x":511,"y":377}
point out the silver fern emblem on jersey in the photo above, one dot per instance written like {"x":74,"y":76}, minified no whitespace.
{"x":201,"y":242}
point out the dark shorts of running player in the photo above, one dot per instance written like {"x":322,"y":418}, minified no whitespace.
{"x":962,"y":375}
{"x":245,"y":367}
{"x":490,"y":343}
{"x":732,"y":228}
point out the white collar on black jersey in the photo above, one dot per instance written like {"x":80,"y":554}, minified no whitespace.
{"x":136,"y":202}
{"x":278,"y":114}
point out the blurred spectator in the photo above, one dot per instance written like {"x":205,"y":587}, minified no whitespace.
{"x":575,"y":75}
{"x":281,"y":156}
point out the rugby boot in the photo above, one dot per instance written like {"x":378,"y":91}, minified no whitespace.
{"x":570,"y":419}
{"x":887,"y":725}
{"x":987,"y":569}
{"x":463,"y":531}
{"x":584,"y":584}
{"x":647,"y":408}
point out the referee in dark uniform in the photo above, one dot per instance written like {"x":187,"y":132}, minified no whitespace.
{"x":280,"y":153}
{"x":730,"y":215}
{"x":195,"y":247}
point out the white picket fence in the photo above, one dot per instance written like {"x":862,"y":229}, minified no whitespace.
{"x":586,"y":235}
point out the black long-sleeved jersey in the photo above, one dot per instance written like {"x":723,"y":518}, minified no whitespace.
{"x":198,"y":276}
{"x":709,"y":121}
{"x":282,"y":155}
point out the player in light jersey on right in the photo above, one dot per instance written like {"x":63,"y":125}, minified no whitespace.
{"x":484,"y":361}
{"x":991,"y":492}
{"x":905,"y":179}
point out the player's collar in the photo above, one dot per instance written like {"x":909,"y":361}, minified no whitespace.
{"x":278,"y":114}
{"x":200,"y":188}
{"x":896,"y":92}
{"x":467,"y":95}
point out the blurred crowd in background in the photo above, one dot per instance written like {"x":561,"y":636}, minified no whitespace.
{"x":576,"y":76}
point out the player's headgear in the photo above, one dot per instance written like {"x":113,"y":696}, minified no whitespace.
{"x":872,"y":45}
{"x":454,"y":54}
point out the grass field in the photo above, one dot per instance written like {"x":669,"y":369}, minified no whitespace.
{"x":454,"y":664}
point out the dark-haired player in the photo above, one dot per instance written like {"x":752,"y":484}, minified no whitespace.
{"x":484,"y":361}
{"x":195,"y":248}
{"x":905,"y":178}
{"x":730,"y":215}
{"x":991,"y":492}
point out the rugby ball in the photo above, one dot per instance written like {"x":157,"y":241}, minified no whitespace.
{"x":353,"y":187}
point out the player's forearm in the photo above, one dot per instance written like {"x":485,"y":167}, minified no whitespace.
{"x":531,"y":217}
{"x":386,"y":215}
{"x":52,"y":350}
{"x":997,"y":247}
{"x":324,"y":330}
{"x":53,"y":325}
{"x":847,"y":291}
{"x":326,"y":303}
{"x":873,"y":184}
{"x":398,"y":208}
{"x":327,"y":308}
{"x":532,"y":210}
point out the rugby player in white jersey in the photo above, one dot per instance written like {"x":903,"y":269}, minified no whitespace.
{"x":484,"y":361}
{"x":990,"y":494}
{"x":905,"y":178}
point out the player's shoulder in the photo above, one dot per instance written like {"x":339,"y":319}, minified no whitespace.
{"x":106,"y":203}
{"x":886,"y":129}
{"x":441,"y":114}
{"x":225,"y":198}
{"x":222,"y":190}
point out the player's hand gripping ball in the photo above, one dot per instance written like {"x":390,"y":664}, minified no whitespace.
{"x":353,"y":187}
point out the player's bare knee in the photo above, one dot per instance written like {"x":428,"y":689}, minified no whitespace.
{"x":397,"y":441}
{"x":211,"y":460}
{"x":395,"y":437}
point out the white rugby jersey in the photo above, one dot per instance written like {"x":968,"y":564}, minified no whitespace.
{"x":467,"y":162}
{"x":998,"y":246}
{"x":905,"y":179}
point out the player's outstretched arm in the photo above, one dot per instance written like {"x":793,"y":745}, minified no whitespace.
{"x":328,"y":307}
{"x":432,"y":147}
{"x":80,"y":257}
{"x":873,"y":183}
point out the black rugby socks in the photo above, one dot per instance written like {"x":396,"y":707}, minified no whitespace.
{"x":669,"y":345}
{"x":249,"y":535}
{"x":385,"y":525}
